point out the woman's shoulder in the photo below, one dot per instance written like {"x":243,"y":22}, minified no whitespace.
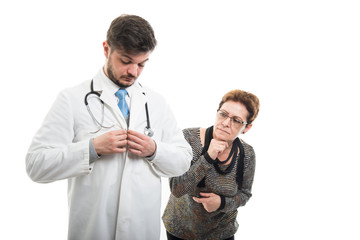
{"x":192,"y":136}
{"x":248,"y":150}
{"x":191,"y":132}
{"x":245,"y":144}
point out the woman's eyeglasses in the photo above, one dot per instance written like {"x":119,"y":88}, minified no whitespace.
{"x":222,"y":115}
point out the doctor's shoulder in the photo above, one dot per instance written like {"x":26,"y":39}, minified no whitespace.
{"x":78,"y":90}
{"x":73,"y":95}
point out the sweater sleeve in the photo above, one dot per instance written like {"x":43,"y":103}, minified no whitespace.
{"x":244,"y":193}
{"x":188,"y":182}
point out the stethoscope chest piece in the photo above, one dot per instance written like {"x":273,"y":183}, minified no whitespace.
{"x":148,"y":132}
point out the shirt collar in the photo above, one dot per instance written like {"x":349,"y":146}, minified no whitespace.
{"x":113,"y":87}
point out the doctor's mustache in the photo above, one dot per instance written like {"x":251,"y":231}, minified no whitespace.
{"x":127,"y":78}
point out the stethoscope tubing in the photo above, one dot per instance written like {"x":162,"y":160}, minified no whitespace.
{"x":147,"y":131}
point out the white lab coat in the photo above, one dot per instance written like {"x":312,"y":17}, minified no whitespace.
{"x":118,"y":196}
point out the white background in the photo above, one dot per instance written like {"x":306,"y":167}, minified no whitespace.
{"x":301,"y":58}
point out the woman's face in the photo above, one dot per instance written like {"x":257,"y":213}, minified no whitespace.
{"x":230,"y":121}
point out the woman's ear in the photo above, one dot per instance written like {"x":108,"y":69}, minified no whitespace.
{"x":247,"y":128}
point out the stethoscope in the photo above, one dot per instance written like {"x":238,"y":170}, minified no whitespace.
{"x":147,"y":130}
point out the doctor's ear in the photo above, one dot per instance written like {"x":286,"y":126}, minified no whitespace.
{"x":106,"y":49}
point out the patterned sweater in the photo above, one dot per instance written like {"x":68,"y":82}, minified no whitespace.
{"x":186,"y":219}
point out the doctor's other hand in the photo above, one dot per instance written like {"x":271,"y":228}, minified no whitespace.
{"x":210,"y":201}
{"x":140,"y":144}
{"x":111,"y":142}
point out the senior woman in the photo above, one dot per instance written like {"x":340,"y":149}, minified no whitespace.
{"x":203,"y":202}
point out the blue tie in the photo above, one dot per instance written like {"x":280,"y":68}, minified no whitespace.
{"x":121,"y":93}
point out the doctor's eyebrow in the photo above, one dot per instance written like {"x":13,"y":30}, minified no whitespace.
{"x":132,"y":60}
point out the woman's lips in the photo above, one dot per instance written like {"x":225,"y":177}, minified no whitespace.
{"x":222,"y":130}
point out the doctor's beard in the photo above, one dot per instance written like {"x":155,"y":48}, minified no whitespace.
{"x":112,"y":77}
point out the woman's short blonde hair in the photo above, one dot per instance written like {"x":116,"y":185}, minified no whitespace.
{"x":250,"y":101}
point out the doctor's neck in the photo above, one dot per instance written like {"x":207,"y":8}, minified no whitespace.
{"x":123,"y":81}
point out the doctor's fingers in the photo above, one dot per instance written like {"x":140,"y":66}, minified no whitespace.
{"x":112,"y":136}
{"x":136,"y":135}
{"x":106,"y":144}
{"x":116,"y":134}
{"x":140,"y":140}
{"x":142,"y":148}
{"x":111,"y":148}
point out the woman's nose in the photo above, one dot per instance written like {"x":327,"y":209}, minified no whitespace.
{"x":226,"y":121}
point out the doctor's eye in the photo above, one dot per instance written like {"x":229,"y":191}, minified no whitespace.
{"x":125,"y":62}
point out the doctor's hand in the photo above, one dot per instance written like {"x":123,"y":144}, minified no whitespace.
{"x":140,"y":144}
{"x":210,"y":201}
{"x":111,"y":142}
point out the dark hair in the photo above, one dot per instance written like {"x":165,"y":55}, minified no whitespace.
{"x":250,"y":101}
{"x":131,"y":34}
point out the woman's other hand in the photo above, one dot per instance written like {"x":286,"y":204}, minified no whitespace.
{"x":210,"y":201}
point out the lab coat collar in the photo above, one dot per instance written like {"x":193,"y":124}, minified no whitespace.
{"x":107,"y":90}
{"x":137,"y":106}
{"x":102,"y":82}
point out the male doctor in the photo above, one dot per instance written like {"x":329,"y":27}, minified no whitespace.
{"x":113,"y":168}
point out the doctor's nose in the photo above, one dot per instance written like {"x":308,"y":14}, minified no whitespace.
{"x":133,"y":70}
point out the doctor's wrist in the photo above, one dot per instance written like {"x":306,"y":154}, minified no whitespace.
{"x":92,"y":152}
{"x":151,"y":157}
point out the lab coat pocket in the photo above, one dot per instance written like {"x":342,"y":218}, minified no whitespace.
{"x":105,"y":173}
